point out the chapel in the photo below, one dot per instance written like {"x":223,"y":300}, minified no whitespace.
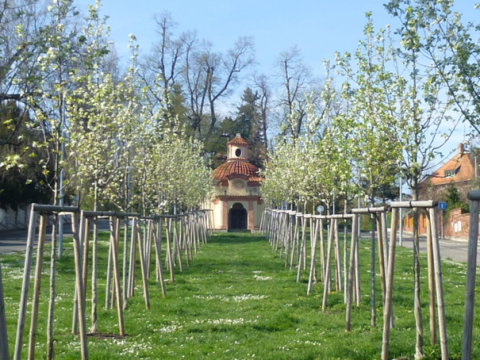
{"x":237,"y":202}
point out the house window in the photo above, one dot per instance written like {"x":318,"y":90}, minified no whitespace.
{"x":457,"y":226}
{"x":238,"y":152}
{"x":450,"y":173}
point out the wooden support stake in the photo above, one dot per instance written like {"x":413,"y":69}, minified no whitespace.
{"x":338,"y":259}
{"x":282,"y":234}
{"x":75,"y":296}
{"x":109,"y":265}
{"x":51,"y":301}
{"x":431,"y":284}
{"x":197,"y":231}
{"x":174,"y":241}
{"x":305,"y":244}
{"x":474,"y":197}
{"x":125,"y":265}
{"x":373,"y":314}
{"x":186,"y":236}
{"x":82,"y":231}
{"x":158,"y":256}
{"x":301,"y":250}
{"x":79,"y":287}
{"x":94,"y":316}
{"x":385,"y":256}
{"x":295,"y":232}
{"x":4,"y":354}
{"x":179,"y":248}
{"x":326,"y":286}
{"x":442,"y":329}
{"x":169,"y":253}
{"x":149,"y":247}
{"x":86,"y":248}
{"x":133,"y":251}
{"x":357,"y":273}
{"x":385,"y":238}
{"x":288,"y":238}
{"x":381,"y":254}
{"x":144,"y":269}
{"x":345,"y":259}
{"x":116,"y":278}
{"x":322,"y":251}
{"x":387,"y":310}
{"x":351,"y":273}
{"x":313,"y":255}
{"x":25,"y":284}
{"x":192,"y":236}
{"x":36,"y":288}
{"x":117,"y":246}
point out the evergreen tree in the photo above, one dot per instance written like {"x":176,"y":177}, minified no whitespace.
{"x":247,"y":124}
{"x":453,"y":199}
{"x":248,"y":117}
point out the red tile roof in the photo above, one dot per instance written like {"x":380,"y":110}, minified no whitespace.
{"x":236,"y":167}
{"x":463,"y":166}
{"x":238,"y":140}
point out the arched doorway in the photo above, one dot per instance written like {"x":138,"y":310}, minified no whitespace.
{"x":237,"y":217}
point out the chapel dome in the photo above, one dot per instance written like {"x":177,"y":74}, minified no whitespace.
{"x":236,"y":167}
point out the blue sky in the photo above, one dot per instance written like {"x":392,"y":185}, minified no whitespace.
{"x":317,"y":27}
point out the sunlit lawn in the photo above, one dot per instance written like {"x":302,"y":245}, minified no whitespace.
{"x":238,"y":301}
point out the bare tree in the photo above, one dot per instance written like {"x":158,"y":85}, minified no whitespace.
{"x":298,"y":88}
{"x":192,"y":68}
{"x":160,"y":69}
{"x":210,"y":76}
{"x":264,"y":94}
{"x":195,"y":84}
{"x":294,"y":78}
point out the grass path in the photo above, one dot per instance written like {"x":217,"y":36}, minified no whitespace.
{"x":237,"y":301}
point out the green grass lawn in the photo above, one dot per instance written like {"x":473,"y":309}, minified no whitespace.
{"x":237,"y":301}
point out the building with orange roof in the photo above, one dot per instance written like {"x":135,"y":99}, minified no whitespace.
{"x":460,"y":169}
{"x":237,"y":203}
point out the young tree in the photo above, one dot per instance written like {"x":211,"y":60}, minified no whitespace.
{"x":424,"y":120}
{"x":451,"y":46}
{"x":370,"y":122}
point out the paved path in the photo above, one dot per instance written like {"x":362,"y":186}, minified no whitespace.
{"x":456,"y":250}
{"x":16,"y":240}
